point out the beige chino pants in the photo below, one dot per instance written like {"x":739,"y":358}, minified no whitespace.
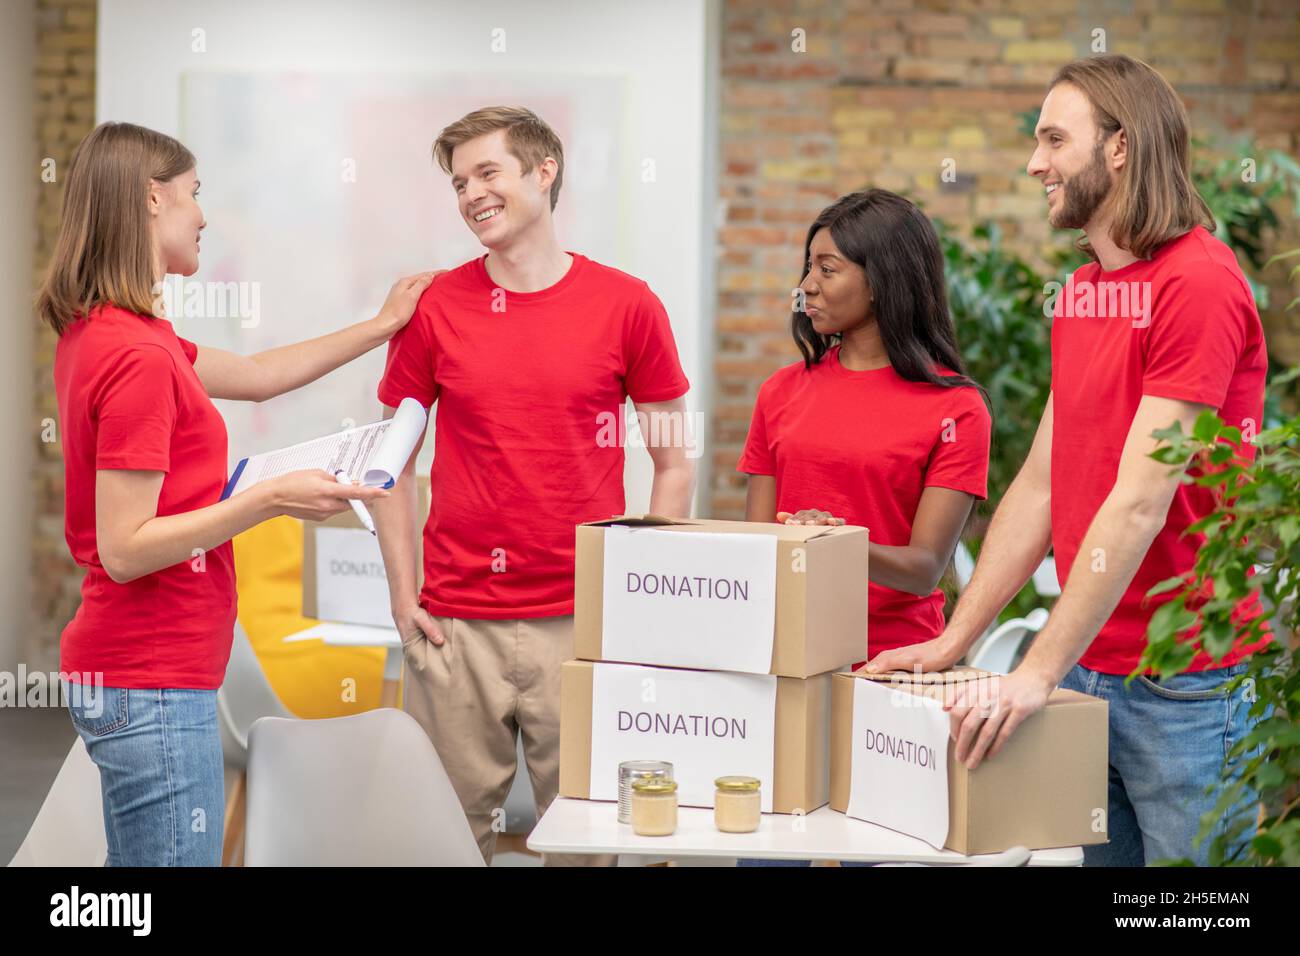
{"x":489,"y":682}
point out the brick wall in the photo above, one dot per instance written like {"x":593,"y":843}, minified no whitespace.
{"x":886,"y":90}
{"x":65,"y":112}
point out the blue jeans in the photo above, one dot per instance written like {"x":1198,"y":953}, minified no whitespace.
{"x":1168,"y":740}
{"x":161,"y":772}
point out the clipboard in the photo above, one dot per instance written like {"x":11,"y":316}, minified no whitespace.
{"x":374,"y":453}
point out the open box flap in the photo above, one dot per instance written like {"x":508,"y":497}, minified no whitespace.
{"x":930,"y":682}
{"x":955,"y":675}
{"x":783,"y":532}
{"x":639,"y":521}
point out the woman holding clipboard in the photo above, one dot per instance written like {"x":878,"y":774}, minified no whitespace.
{"x":145,"y":465}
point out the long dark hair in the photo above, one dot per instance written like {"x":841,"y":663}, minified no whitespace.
{"x":890,"y":238}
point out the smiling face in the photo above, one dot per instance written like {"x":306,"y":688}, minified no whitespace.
{"x":1078,"y":169}
{"x":177,"y":222}
{"x":836,"y":295}
{"x":498,"y":200}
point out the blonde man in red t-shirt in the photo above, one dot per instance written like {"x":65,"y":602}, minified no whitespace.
{"x":1159,"y":327}
{"x":529,"y":353}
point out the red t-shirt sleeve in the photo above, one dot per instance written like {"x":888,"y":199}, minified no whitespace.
{"x":189,"y":348}
{"x":135,"y":411}
{"x":960,"y":457}
{"x":653,"y":369}
{"x":757,"y":459}
{"x":1197,"y":333}
{"x":408,"y":369}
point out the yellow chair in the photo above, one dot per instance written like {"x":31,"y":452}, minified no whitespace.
{"x":312,"y":679}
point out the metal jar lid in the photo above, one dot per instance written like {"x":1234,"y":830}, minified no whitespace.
{"x":738,"y":784}
{"x":654,"y":786}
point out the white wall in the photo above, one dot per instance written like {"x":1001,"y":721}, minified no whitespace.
{"x":659,"y":48}
{"x":20,"y":174}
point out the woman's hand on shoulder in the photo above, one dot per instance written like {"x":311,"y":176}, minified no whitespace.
{"x":402,"y":298}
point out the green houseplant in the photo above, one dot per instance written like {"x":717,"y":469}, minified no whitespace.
{"x":1252,"y":545}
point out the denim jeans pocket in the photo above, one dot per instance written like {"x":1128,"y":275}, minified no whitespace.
{"x":1203,"y":685}
{"x":98,"y":710}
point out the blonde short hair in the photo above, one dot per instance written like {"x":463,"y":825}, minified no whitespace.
{"x":528,"y":138}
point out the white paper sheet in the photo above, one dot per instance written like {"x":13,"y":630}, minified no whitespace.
{"x":898,"y":775}
{"x":374,"y":454}
{"x":689,"y":599}
{"x":351,"y":585}
{"x":353,"y":635}
{"x":708,"y":725}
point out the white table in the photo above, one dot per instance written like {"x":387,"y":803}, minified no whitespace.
{"x":590,"y":826}
{"x":360,"y":635}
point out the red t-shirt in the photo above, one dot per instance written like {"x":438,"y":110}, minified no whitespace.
{"x":863,"y":446}
{"x":129,"y":399}
{"x":1200,"y":341}
{"x":525,"y":385}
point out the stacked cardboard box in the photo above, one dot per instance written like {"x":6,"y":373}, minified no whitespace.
{"x":710,"y":644}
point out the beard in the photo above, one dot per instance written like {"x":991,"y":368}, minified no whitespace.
{"x":1083,"y":193}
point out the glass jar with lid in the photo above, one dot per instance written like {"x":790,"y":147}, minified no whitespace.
{"x":654,"y":806}
{"x":737,"y":804}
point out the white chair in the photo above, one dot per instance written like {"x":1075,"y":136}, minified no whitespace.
{"x":1045,"y":580}
{"x":367,"y":790}
{"x":244,"y":697}
{"x":996,"y":651}
{"x":963,"y":565}
{"x":69,"y":829}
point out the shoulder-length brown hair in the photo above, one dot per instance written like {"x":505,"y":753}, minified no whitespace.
{"x":104,"y":250}
{"x":1154,"y":199}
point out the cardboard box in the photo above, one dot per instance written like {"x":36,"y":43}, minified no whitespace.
{"x":800,"y":775}
{"x":343,"y":577}
{"x":1046,"y":788}
{"x":820,"y":617}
